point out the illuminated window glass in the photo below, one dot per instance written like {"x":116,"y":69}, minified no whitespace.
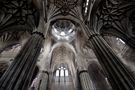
{"x":120,"y":40}
{"x":61,"y":72}
{"x":66,"y":72}
{"x":57,"y":73}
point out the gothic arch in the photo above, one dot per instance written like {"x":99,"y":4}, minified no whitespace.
{"x":109,"y":30}
{"x":8,"y":46}
{"x":56,"y":50}
{"x":112,"y":31}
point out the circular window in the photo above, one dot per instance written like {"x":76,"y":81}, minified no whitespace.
{"x":63,"y":30}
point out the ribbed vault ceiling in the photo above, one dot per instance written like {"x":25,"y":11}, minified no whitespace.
{"x":16,"y":15}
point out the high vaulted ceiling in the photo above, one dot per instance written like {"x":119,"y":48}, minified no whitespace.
{"x":108,"y":17}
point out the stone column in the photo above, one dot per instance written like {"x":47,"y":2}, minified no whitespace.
{"x":19,"y":74}
{"x":118,"y":75}
{"x":85,"y":80}
{"x":43,"y":81}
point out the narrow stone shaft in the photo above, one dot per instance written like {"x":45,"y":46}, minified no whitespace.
{"x":85,"y":81}
{"x":19,"y":74}
{"x":43,"y":81}
{"x":119,"y":76}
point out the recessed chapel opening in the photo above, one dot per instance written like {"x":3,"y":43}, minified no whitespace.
{"x":62,"y":68}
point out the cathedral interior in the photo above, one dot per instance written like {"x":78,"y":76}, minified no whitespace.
{"x":67,"y":44}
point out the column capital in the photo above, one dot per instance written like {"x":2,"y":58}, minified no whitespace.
{"x":42,"y":28}
{"x":82,"y":71}
{"x":93,"y":35}
{"x":85,"y":80}
{"x":39,"y":33}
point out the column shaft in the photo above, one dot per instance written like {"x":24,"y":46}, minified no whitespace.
{"x":19,"y":74}
{"x":118,"y":75}
{"x":85,"y":81}
{"x":44,"y":81}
